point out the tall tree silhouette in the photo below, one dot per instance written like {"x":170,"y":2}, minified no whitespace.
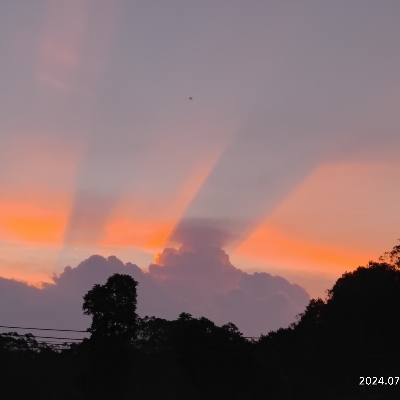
{"x":113,"y":309}
{"x":113,"y":331}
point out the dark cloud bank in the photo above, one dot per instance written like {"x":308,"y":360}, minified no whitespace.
{"x":198,"y":279}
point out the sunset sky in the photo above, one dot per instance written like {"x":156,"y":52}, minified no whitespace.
{"x":289,"y":146}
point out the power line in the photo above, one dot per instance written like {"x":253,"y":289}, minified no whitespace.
{"x":72,"y":330}
{"x":201,"y":352}
{"x":54,"y":337}
{"x":43,"y":329}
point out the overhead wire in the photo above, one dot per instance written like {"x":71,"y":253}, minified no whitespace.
{"x":73,"y":330}
{"x":68,"y":341}
{"x":43,"y":329}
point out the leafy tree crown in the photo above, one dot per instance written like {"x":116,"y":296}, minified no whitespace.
{"x":113,"y":308}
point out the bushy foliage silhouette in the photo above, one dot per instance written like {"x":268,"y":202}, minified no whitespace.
{"x":113,"y":332}
{"x":113,"y":309}
{"x":30,"y":369}
{"x":214,"y":358}
{"x":26,"y":343}
{"x":353,"y":332}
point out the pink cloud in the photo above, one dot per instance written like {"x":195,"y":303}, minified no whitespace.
{"x":197,"y":279}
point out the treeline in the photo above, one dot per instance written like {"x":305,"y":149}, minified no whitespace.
{"x":335,"y":345}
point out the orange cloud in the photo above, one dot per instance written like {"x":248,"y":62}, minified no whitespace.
{"x":276,"y":247}
{"x":27,"y":222}
{"x":141,"y":234}
{"x":29,"y":272}
{"x":147,"y":222}
{"x":37,"y":189}
{"x":340,"y":217}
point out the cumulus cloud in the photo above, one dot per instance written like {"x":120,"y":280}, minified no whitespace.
{"x":203,"y":233}
{"x":208,"y":284}
{"x":198,"y":279}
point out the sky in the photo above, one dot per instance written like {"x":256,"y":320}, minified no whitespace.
{"x":285,"y":159}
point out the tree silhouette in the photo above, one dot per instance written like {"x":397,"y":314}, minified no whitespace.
{"x":217,"y":361}
{"x":392,"y":257}
{"x":113,"y":309}
{"x":353,"y":332}
{"x":113,"y":332}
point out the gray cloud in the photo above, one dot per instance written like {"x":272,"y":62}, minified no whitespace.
{"x":208,"y":284}
{"x":198,"y":280}
{"x":203,"y":233}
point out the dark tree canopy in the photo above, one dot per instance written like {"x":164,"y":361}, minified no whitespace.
{"x":113,"y":308}
{"x":362,"y":303}
{"x":392,"y":257}
{"x":354,"y":332}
